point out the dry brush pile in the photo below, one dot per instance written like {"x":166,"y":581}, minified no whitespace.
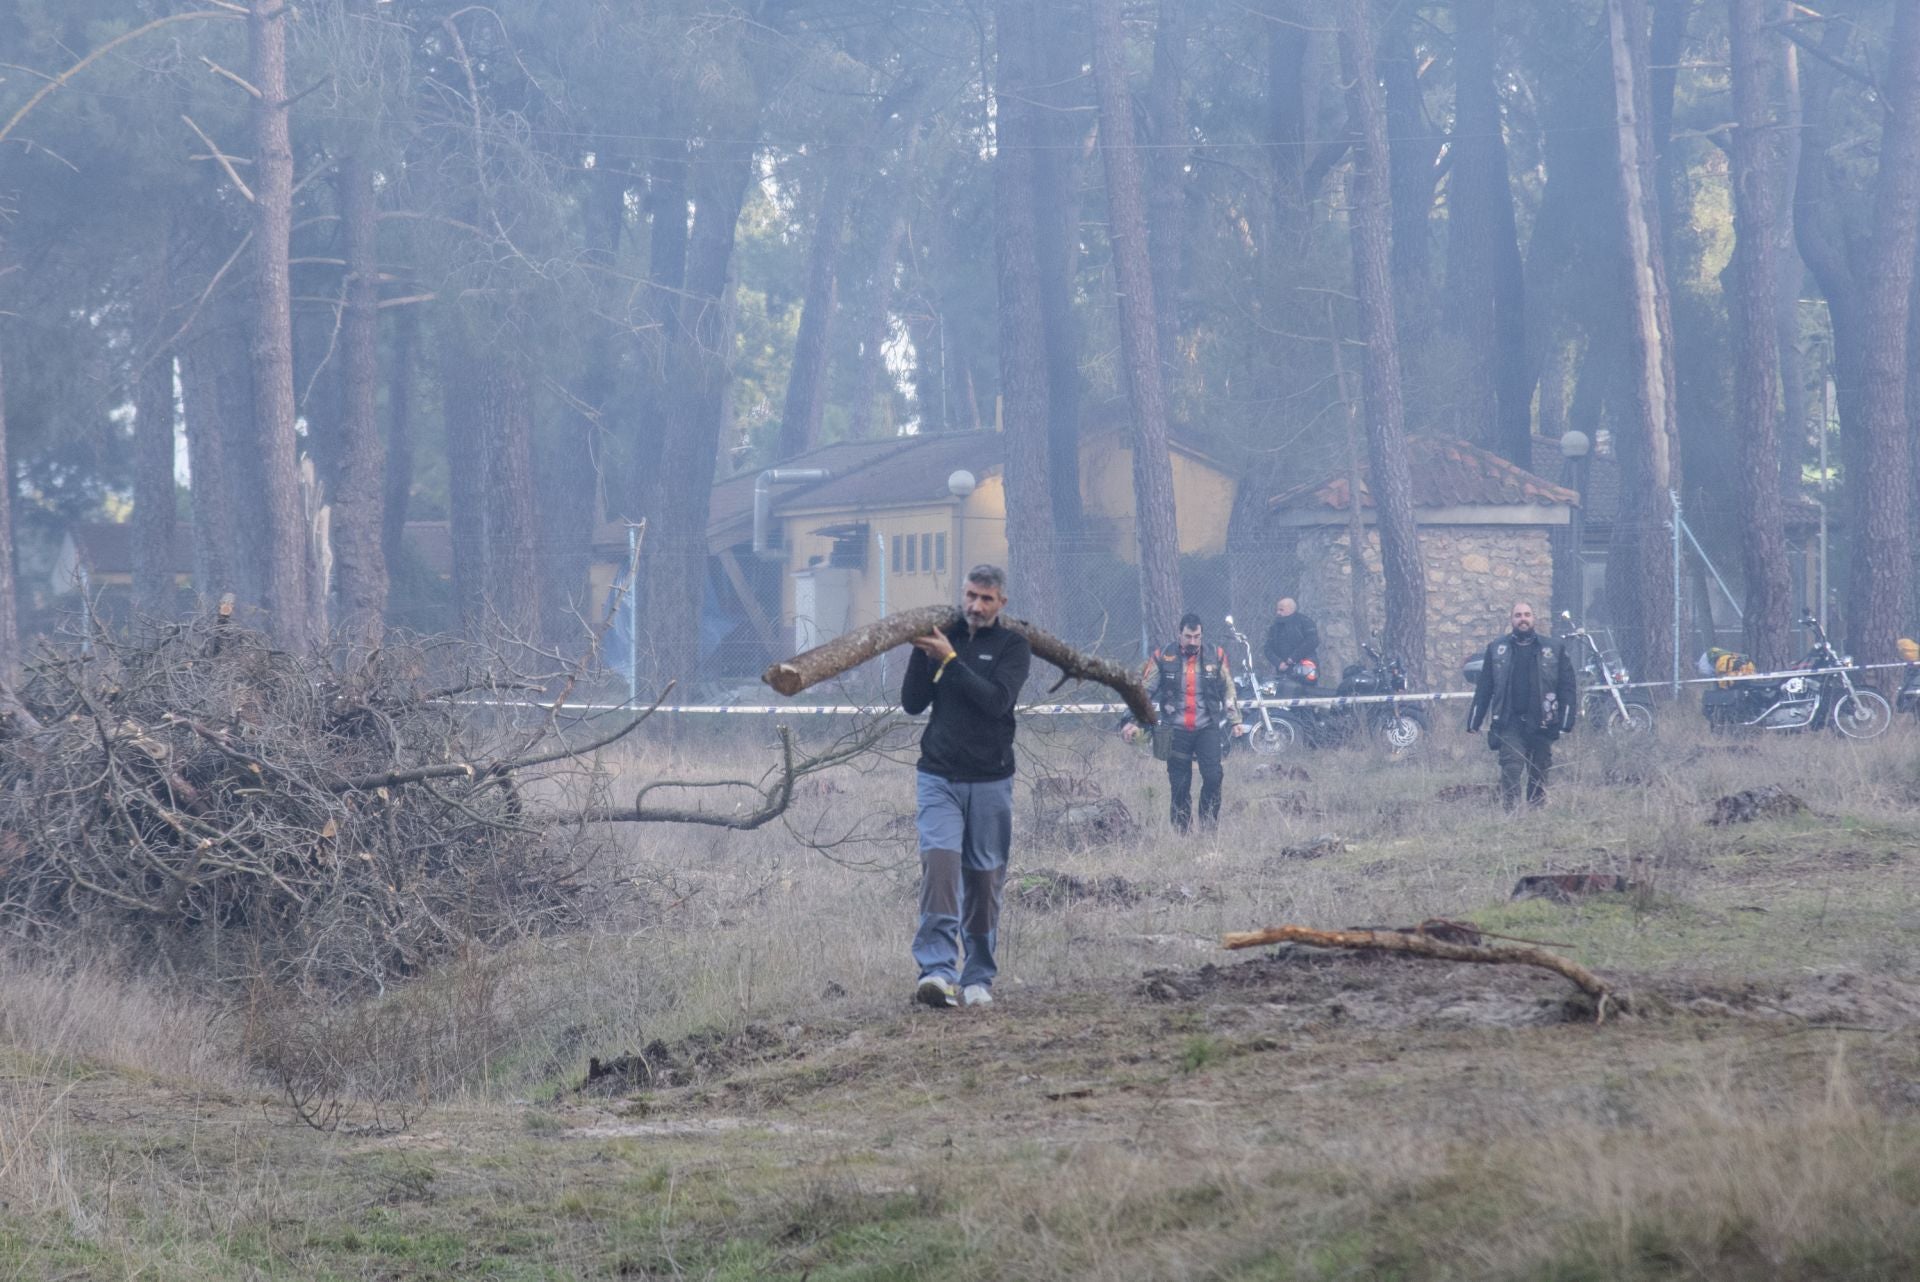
{"x":249,"y":814}
{"x":222,"y":801}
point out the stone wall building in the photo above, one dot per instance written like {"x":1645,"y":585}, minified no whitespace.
{"x":1486,"y":539}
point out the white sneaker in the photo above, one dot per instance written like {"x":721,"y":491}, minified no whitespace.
{"x":976,"y":995}
{"x":935,"y":991}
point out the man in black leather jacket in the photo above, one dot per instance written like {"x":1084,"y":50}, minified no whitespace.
{"x":1528,"y":690}
{"x":1293,"y":642}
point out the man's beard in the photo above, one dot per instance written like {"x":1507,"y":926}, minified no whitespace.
{"x":975,"y":620}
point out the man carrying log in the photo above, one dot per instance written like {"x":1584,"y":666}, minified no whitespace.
{"x":970,"y":673}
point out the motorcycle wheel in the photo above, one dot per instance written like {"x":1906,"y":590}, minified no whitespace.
{"x":1267,"y":743}
{"x":1401,"y":731}
{"x":1637,"y":719}
{"x":1862,"y":715}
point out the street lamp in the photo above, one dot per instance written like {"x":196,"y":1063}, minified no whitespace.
{"x":1575,"y":448}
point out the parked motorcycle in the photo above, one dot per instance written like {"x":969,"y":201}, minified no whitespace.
{"x":1908,"y":699}
{"x":1820,"y":692}
{"x":1604,"y":699}
{"x":1401,"y":726}
{"x":1323,"y":723}
{"x":1269,"y":732}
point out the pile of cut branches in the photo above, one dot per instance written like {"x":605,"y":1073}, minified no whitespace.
{"x":204,"y":797}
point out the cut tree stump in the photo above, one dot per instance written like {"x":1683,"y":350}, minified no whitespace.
{"x":849,"y":650}
{"x":1417,"y":942}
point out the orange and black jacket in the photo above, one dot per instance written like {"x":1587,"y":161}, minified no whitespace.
{"x":1192,"y":692}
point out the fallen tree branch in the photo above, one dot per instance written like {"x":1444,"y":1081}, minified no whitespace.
{"x":850,"y":650}
{"x":1419,"y":944}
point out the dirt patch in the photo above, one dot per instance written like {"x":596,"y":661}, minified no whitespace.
{"x":1842,"y":999}
{"x":702,"y":1057}
{"x":1303,"y":988}
{"x":1045,"y":888}
{"x":1468,"y":792}
{"x":1565,"y":887}
{"x":1768,"y":802}
{"x":1281,"y":770}
{"x":1321,"y":847}
{"x":1097,"y":821}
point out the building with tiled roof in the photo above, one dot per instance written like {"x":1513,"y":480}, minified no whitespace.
{"x":897,"y":522}
{"x":1486,"y":532}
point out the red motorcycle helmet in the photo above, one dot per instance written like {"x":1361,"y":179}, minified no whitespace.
{"x":1307,"y":671}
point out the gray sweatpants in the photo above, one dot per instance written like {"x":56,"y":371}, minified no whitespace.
{"x":965,"y":831}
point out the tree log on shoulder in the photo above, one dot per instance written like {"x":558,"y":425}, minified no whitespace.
{"x":1420,"y":944}
{"x":849,"y":651}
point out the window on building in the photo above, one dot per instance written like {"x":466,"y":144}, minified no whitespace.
{"x":926,"y":552}
{"x":912,"y":544}
{"x":896,"y":553}
{"x":940,"y":552}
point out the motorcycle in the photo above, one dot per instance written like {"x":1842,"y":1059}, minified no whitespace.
{"x":1322,"y":723}
{"x":1908,"y":699}
{"x":1824,"y":693}
{"x":1604,"y":700}
{"x":1400,"y":726}
{"x":1271,"y":732}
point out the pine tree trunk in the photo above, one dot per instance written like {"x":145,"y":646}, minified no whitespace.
{"x":9,"y":601}
{"x":1056,"y":196}
{"x":1789,"y":274}
{"x":1413,"y":145}
{"x":573,"y":504}
{"x":1034,"y":583}
{"x":1370,"y":222}
{"x":513,"y":568}
{"x":887,"y":201}
{"x":1167,"y":175}
{"x":1154,"y":525}
{"x":698,"y":369}
{"x":399,"y":477}
{"x":807,"y":383}
{"x":1881,"y":571}
{"x":359,"y":519}
{"x":1756,"y":153}
{"x":215,"y":553}
{"x":153,"y":488}
{"x":1485,"y":280}
{"x":1645,"y":440}
{"x":285,"y":590}
{"x":462,"y":408}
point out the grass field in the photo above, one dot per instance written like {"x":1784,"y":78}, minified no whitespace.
{"x":1138,"y":1103}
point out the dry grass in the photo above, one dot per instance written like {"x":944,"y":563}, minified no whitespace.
{"x":1077,"y":1130}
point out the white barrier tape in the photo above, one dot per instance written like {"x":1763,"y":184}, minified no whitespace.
{"x":1107,"y":709}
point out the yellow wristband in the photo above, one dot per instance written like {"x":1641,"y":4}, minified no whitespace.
{"x":943,"y":667}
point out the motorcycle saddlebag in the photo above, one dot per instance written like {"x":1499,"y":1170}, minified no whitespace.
{"x":1722,"y":707}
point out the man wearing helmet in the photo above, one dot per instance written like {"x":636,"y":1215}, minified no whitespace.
{"x":1293,"y":648}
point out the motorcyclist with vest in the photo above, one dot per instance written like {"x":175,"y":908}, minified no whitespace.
{"x":1293,"y":648}
{"x":1527,"y":687}
{"x":1192,"y":688}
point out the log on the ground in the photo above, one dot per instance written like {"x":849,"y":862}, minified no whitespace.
{"x":849,"y":650}
{"x":1420,"y":944}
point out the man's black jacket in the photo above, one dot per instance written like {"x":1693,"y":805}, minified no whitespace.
{"x":969,"y":738}
{"x":1291,"y":639}
{"x":1558,"y":690}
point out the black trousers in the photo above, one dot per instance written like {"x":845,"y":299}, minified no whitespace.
{"x":1185,"y":749}
{"x":1525,"y":759}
